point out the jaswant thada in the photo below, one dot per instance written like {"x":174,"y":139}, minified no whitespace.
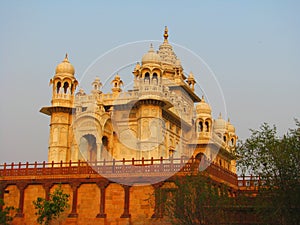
{"x":111,"y":151}
{"x":155,"y":119}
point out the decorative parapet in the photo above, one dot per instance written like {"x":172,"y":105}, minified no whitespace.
{"x":163,"y":167}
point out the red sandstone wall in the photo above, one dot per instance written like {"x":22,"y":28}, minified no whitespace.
{"x":141,"y":205}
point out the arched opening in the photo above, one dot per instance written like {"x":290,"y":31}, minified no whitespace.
{"x":207,"y":126}
{"x":232,"y":141}
{"x":200,"y":126}
{"x":147,"y":78}
{"x":201,"y":161}
{"x":224,"y":139}
{"x":199,"y":156}
{"x":105,"y":141}
{"x":66,"y":86}
{"x":88,"y":147}
{"x":58,"y":87}
{"x":155,"y":79}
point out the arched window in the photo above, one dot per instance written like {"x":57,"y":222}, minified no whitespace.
{"x":66,"y":85}
{"x":200,"y":126}
{"x":155,"y":79}
{"x":206,"y":126}
{"x":58,"y":87}
{"x":232,"y":141}
{"x":147,"y":78}
{"x":224,"y":138}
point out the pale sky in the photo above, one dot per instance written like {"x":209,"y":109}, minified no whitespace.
{"x":253,"y":48}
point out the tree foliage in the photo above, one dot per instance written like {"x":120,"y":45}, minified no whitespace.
{"x":5,"y":217}
{"x":48,"y":210}
{"x":276,"y":160}
{"x":195,"y":200}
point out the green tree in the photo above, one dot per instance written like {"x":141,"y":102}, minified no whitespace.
{"x":195,"y":200}
{"x":5,"y":217}
{"x":49,"y":210}
{"x":276,"y":160}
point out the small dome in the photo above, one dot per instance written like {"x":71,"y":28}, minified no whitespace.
{"x":65,"y":67}
{"x":220,"y":123}
{"x":203,"y":107}
{"x":151,"y":56}
{"x":231,"y":128}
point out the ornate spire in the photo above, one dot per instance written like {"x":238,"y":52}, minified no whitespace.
{"x":166,"y":35}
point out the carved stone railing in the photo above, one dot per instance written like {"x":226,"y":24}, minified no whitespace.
{"x":126,"y":168}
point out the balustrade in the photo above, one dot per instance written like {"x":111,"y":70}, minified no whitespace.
{"x":160,"y":166}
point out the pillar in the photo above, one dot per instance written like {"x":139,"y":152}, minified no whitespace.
{"x":126,"y":213}
{"x":47,"y":187}
{"x":75,"y":186}
{"x":102,"y":186}
{"x":21,"y":187}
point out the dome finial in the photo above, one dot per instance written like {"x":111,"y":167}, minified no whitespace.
{"x":166,"y":35}
{"x":66,"y":58}
{"x":151,"y":49}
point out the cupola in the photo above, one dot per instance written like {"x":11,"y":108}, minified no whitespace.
{"x":65,"y":68}
{"x":203,"y":107}
{"x":151,"y":56}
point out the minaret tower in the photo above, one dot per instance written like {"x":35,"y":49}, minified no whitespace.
{"x":64,"y":84}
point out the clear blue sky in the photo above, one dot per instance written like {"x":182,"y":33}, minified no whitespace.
{"x":253,"y":47}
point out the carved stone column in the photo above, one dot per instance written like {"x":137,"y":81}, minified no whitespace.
{"x":47,"y":187}
{"x":102,"y":186}
{"x":159,"y":204}
{"x":21,"y":187}
{"x":74,"y":186}
{"x":126,"y":213}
